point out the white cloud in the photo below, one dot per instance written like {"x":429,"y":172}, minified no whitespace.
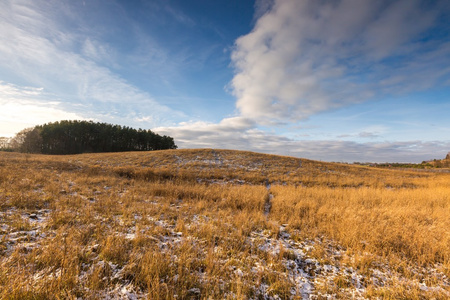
{"x":230,"y":133}
{"x":240,"y":133}
{"x":370,"y":132}
{"x":24,"y":107}
{"x":305,"y":57}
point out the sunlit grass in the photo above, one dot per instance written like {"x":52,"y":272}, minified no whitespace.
{"x":221,"y":224}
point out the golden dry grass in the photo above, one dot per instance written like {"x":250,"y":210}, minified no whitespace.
{"x":220,"y":224}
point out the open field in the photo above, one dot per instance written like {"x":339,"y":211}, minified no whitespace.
{"x":219,"y":224}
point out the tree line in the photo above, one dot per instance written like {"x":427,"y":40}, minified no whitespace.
{"x":74,"y":137}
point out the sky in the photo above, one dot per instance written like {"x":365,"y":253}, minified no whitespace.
{"x":331,"y":80}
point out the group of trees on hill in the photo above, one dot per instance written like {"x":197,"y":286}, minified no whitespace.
{"x":74,"y":137}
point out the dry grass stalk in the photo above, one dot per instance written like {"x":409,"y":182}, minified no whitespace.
{"x":195,"y":224}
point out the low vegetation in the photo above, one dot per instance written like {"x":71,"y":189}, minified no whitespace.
{"x":219,"y":224}
{"x":427,"y":164}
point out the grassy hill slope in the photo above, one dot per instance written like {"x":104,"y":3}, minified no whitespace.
{"x":441,"y":163}
{"x":193,"y":224}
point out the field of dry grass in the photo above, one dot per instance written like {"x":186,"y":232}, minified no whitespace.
{"x":219,"y":224}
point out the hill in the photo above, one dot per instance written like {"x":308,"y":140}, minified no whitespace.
{"x":194,"y":224}
{"x":441,"y":163}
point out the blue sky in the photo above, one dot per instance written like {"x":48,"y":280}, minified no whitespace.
{"x":348,"y":80}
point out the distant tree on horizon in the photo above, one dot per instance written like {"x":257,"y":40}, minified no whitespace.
{"x":27,"y":140}
{"x":5,"y":143}
{"x":75,"y":137}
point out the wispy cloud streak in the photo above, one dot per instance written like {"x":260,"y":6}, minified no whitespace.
{"x":36,"y":45}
